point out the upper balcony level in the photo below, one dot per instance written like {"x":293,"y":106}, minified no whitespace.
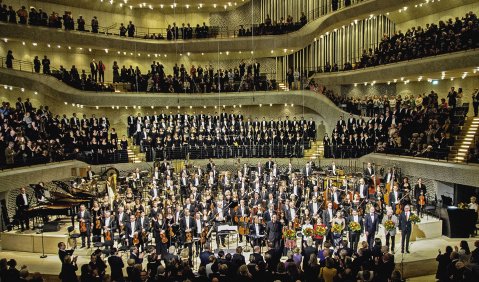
{"x":268,"y":45}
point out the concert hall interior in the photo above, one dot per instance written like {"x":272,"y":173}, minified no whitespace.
{"x":239,"y":140}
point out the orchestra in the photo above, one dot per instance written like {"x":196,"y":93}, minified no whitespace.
{"x":188,"y":209}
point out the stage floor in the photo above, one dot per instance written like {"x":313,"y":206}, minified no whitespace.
{"x":420,"y":262}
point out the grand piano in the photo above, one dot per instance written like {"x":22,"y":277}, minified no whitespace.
{"x":64,"y":201}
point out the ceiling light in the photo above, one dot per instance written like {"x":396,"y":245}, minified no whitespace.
{"x":34,"y":44}
{"x":355,"y":84}
{"x":48,"y":45}
{"x":106,"y":51}
{"x":23,"y":43}
{"x":69,"y":47}
{"x":89,"y":49}
{"x":36,"y":93}
{"x":96,"y":107}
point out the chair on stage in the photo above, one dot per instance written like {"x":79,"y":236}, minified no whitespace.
{"x":72,"y":237}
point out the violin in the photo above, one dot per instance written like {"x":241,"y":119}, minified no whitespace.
{"x":83,"y":228}
{"x":108,"y":235}
{"x":163,"y":237}
{"x":97,"y":224}
{"x":136,"y":239}
{"x":204,"y":234}
{"x":188,"y":237}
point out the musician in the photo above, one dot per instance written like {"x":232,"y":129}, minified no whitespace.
{"x":156,"y":175}
{"x":23,"y":203}
{"x":132,"y":230}
{"x":144,"y":223}
{"x":269,"y":165}
{"x":335,"y":197}
{"x":256,"y":232}
{"x":333,"y":169}
{"x":371,"y":221}
{"x":338,"y":220}
{"x":274,"y":231}
{"x":241,"y":212}
{"x":395,"y":197}
{"x":390,"y":234}
{"x":362,"y":189}
{"x":291,"y":213}
{"x":418,"y":189}
{"x":328,"y":215}
{"x":355,"y":235}
{"x":84,"y":219}
{"x":406,"y":190}
{"x":108,"y":224}
{"x":121,"y":218}
{"x":154,"y":192}
{"x":314,"y":206}
{"x":97,"y":215}
{"x":89,"y":173}
{"x":199,"y":226}
{"x":405,"y":225}
{"x":39,"y":190}
{"x":187,"y":225}
{"x":369,"y":172}
{"x":305,"y":225}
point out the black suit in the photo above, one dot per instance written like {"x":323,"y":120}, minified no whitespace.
{"x":405,"y":225}
{"x":87,"y":219}
{"x":371,"y":227}
{"x":63,"y":253}
{"x":22,"y":206}
{"x":255,"y":240}
{"x":274,"y":230}
{"x":131,"y":229}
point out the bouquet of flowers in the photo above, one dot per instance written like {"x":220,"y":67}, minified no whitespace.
{"x":337,"y":228}
{"x":389,"y":225}
{"x":289,"y":234}
{"x":320,"y":230}
{"x":414,"y":218}
{"x":354,"y":226}
{"x":308,"y":232}
{"x":461,"y":206}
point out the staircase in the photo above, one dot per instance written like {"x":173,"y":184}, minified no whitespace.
{"x":317,"y":149}
{"x":465,"y":140}
{"x":134,"y":155}
{"x":283,"y":87}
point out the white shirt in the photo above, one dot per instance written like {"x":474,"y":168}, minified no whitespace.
{"x":107,"y":221}
{"x":132,"y":224}
{"x":256,"y":226}
{"x":198,"y":226}
{"x":361,"y":191}
{"x":187,"y":223}
{"x":315,"y":208}
{"x":25,"y":201}
{"x":293,"y":213}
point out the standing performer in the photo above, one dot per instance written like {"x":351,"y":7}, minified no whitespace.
{"x":390,"y":234}
{"x":405,"y":225}
{"x":371,"y":221}
{"x":354,"y":235}
{"x":22,"y":202}
{"x":84,"y":218}
{"x":273,"y":231}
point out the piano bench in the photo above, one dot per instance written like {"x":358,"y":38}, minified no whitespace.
{"x":75,"y":236}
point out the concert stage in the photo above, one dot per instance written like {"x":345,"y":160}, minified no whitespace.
{"x":30,"y":241}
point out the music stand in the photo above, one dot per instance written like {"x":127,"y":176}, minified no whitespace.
{"x":40,"y":229}
{"x":224,"y":230}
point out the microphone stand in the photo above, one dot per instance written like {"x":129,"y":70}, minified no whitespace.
{"x":43,"y":246}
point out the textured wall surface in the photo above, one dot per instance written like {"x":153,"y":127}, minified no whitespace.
{"x":244,"y":15}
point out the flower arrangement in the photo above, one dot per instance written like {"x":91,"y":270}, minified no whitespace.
{"x":320,"y":230}
{"x":462,"y":206}
{"x":414,"y":218}
{"x":308,"y":232}
{"x":354,"y":226}
{"x":337,"y":228}
{"x":289,"y":234}
{"x":389,"y":225}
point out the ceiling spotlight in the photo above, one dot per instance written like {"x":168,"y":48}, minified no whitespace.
{"x":96,"y":107}
{"x":36,"y":93}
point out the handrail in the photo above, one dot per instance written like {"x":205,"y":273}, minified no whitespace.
{"x":214,"y":31}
